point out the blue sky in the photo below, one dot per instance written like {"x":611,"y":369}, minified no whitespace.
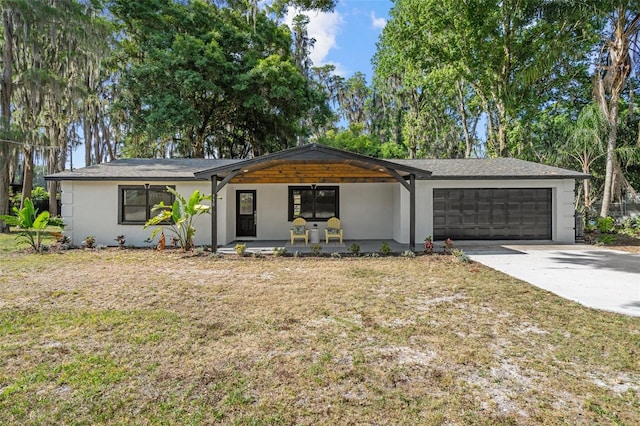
{"x":347,"y":37}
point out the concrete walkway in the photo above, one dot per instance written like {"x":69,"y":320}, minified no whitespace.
{"x":593,"y":276}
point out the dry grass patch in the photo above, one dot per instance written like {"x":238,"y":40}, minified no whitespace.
{"x":122,"y":336}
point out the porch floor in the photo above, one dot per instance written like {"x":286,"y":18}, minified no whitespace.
{"x":267,"y":246}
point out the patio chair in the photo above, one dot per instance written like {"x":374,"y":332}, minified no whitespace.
{"x":299,"y":230}
{"x":333,"y":230}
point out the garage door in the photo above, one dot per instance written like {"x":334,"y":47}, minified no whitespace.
{"x":492,"y":214}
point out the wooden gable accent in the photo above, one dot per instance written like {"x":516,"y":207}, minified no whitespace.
{"x":312,"y":172}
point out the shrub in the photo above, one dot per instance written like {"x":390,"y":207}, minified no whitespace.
{"x":121,"y":241}
{"x":31,"y":223}
{"x":448,"y":246}
{"x":179,"y":216}
{"x":632,"y":225}
{"x":354,"y":249}
{"x":428,"y":245}
{"x":606,"y":225}
{"x":606,"y":239}
{"x":385,"y":249}
{"x":279,"y":251}
{"x":461,"y":255}
{"x":315,"y":249}
{"x":240,"y":249}
{"x":89,"y":242}
{"x":409,"y":254}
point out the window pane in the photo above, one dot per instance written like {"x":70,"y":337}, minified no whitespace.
{"x":135,"y":213}
{"x":306,"y":203}
{"x":325,"y":203}
{"x":246,"y":203}
{"x":157,"y":195}
{"x":135,"y":197}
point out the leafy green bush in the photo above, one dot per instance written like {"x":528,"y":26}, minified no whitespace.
{"x":606,"y":225}
{"x":385,"y":249}
{"x":39,"y":193}
{"x":180,"y":215}
{"x":632,"y":225}
{"x":315,"y":249}
{"x":606,"y":239}
{"x":354,"y":249}
{"x":31,"y":223}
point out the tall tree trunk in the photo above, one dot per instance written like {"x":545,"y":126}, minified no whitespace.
{"x":88,"y":138}
{"x":610,"y":80}
{"x":607,"y":194}
{"x":502,"y":130}
{"x":53,"y":166}
{"x":463,"y":117}
{"x":27,"y":175}
{"x":6,"y":93}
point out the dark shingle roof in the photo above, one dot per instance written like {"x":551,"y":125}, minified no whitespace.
{"x":142,"y":169}
{"x":186,"y":168}
{"x":490,"y":168}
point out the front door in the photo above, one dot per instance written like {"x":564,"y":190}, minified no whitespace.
{"x":246,"y":213}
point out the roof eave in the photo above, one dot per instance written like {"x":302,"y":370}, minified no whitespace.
{"x":512,"y":177}
{"x":122,"y":178}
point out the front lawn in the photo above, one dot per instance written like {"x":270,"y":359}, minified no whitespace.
{"x":140,"y":337}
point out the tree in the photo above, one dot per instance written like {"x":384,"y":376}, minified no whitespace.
{"x":199,"y":80}
{"x":7,"y":149}
{"x":45,"y":64}
{"x":506,"y":56}
{"x":585,"y":144}
{"x":615,"y":64}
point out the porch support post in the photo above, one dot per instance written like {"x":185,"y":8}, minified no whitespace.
{"x":412,"y":211}
{"x":214,"y":213}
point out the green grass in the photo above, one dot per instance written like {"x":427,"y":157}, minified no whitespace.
{"x":135,"y":336}
{"x":11,"y":242}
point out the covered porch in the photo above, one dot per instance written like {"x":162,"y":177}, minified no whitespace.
{"x":318,"y":168}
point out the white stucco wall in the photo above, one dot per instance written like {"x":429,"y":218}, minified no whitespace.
{"x":367,"y":211}
{"x":91,"y":208}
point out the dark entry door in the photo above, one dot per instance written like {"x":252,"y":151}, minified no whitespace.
{"x":246,"y":213}
{"x":492,"y":213}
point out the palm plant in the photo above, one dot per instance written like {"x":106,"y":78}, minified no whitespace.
{"x":31,"y":223}
{"x":179,"y":217}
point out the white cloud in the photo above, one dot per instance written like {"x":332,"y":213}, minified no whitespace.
{"x":323,"y":27}
{"x":340,"y":69}
{"x":377,"y":23}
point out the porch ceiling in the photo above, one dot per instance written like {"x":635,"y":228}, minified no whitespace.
{"x":287,"y":171}
{"x":314,"y":163}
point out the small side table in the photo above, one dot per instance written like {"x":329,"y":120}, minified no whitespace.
{"x":314,"y":236}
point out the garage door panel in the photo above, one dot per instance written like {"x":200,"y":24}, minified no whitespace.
{"x":492,"y":213}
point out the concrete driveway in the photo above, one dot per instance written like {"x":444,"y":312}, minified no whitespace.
{"x":593,"y":276}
